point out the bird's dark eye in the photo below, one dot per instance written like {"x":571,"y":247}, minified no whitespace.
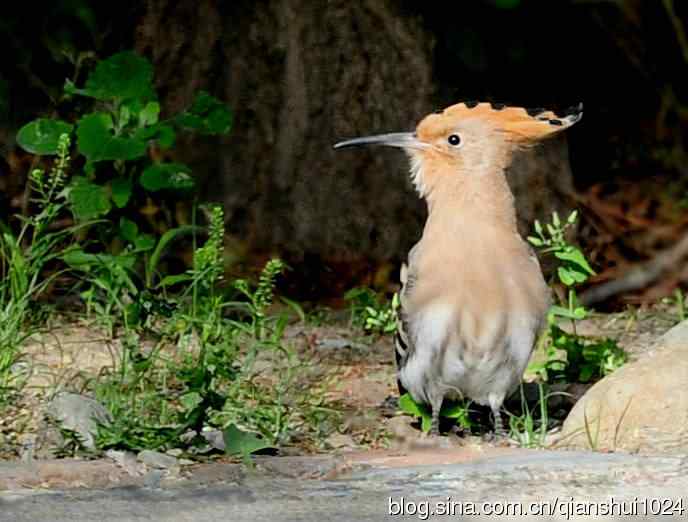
{"x":454,"y":140}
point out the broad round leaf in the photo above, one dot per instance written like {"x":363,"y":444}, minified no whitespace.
{"x":167,"y":176}
{"x":96,"y":140}
{"x":128,"y":229}
{"x":88,"y":200}
{"x":121,"y":191}
{"x":42,"y":136}
{"x":207,"y":115}
{"x":149,"y":114}
{"x":124,"y":75}
{"x":164,"y":134}
{"x":408,"y":405}
{"x":239,"y":442}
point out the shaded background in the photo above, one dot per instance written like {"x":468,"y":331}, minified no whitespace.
{"x":300,"y":75}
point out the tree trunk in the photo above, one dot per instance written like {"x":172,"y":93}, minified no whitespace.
{"x":299,"y":76}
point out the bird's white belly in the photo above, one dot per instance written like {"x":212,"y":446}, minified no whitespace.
{"x":444,"y":364}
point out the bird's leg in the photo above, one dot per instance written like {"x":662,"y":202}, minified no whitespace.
{"x":436,"y":405}
{"x":496,"y":401}
{"x":498,"y":424}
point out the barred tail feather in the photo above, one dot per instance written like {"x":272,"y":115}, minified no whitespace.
{"x":401,"y":340}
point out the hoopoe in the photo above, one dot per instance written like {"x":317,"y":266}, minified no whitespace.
{"x":473,"y":298}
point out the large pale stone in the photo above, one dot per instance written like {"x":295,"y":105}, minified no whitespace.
{"x":80,"y":414}
{"x":642,"y":407}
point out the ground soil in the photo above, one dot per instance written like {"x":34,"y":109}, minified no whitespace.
{"x":357,"y":371}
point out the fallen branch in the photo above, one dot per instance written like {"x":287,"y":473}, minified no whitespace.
{"x":638,"y":277}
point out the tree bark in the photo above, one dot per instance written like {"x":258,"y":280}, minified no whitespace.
{"x":299,"y":76}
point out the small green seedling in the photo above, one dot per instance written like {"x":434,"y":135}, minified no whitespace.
{"x":585,"y":359}
{"x":450,"y":410}
{"x":369,"y":313}
{"x":243,"y":443}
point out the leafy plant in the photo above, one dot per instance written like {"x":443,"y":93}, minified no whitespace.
{"x":570,"y":356}
{"x":527,"y":430}
{"x":458,"y":411}
{"x":259,"y":299}
{"x":114,"y":139}
{"x":242,"y":443}
{"x":188,"y":356}
{"x":114,"y":143}
{"x":24,"y":257}
{"x":573,"y":267}
{"x":369,"y":313}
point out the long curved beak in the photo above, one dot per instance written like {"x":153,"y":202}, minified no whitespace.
{"x":404,"y":140}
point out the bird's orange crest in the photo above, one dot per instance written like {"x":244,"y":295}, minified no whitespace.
{"x":519,"y":125}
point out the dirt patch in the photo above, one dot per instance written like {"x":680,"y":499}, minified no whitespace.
{"x":356,"y":371}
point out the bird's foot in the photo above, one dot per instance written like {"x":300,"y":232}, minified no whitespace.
{"x":497,"y":438}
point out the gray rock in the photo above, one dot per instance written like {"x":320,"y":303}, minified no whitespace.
{"x":28,"y":447}
{"x":49,"y":440}
{"x":341,"y":441}
{"x":338,"y":344}
{"x":157,"y":460}
{"x":79,"y":414}
{"x":400,"y":428}
{"x":126,"y":460}
{"x":153,"y":479}
{"x":641,"y":407}
{"x":356,"y":487}
{"x":215,"y":439}
{"x":297,"y":467}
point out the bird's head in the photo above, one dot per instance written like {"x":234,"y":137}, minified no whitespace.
{"x":469,"y":139}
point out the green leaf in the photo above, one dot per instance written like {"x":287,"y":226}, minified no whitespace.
{"x":149,"y":114}
{"x":535,"y":241}
{"x":42,"y":136}
{"x":408,"y":405}
{"x":206,"y":115}
{"x":579,"y":313}
{"x":550,"y":230}
{"x":144,"y":242}
{"x":174,"y":279}
{"x":560,"y":311}
{"x":124,"y":116}
{"x":238,"y":442}
{"x":96,"y":140}
{"x":190,"y":400}
{"x":121,"y":191}
{"x":164,"y":134}
{"x":164,"y":242}
{"x":565,"y":275}
{"x":128,"y":229}
{"x":87,"y":199}
{"x":453,"y":411}
{"x":122,"y":76}
{"x":573,"y":255}
{"x":538,"y":227}
{"x":426,"y":423}
{"x":167,"y":176}
{"x":586,"y":373}
{"x":77,"y":258}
